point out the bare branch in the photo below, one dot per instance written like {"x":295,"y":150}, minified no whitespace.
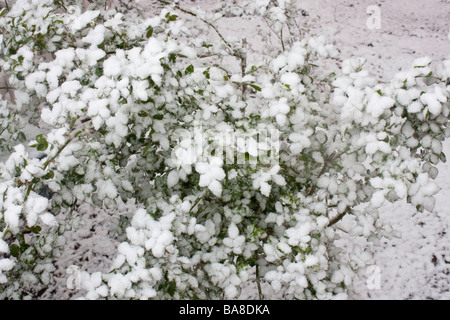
{"x":336,"y":219}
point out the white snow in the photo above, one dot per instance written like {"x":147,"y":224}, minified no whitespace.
{"x":140,"y":89}
{"x":35,"y":205}
{"x":430,"y":100}
{"x":406,"y":264}
{"x":4,"y":248}
{"x":112,"y":66}
{"x":210,"y":175}
{"x":11,"y":216}
{"x":48,"y":219}
{"x":377,"y":104}
{"x":96,"y":36}
{"x":106,"y":188}
{"x":290,"y":78}
{"x":233,"y":231}
{"x":172,"y":179}
{"x":6,"y":264}
{"x":84,"y":19}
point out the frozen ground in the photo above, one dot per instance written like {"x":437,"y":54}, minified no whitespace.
{"x":417,"y":266}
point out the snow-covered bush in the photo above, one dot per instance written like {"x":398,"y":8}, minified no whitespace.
{"x":243,"y":166}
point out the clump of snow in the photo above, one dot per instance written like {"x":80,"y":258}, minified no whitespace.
{"x":211,"y":174}
{"x":84,"y":19}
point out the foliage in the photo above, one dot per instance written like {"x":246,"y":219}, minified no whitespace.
{"x":139,"y":109}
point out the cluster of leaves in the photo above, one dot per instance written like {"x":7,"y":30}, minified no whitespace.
{"x":118,"y":96}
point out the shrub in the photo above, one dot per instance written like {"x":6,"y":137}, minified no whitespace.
{"x":242,"y":172}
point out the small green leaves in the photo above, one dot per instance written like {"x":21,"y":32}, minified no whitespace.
{"x":49,"y":175}
{"x":42,"y":143}
{"x":142,"y":114}
{"x":15,"y":250}
{"x":171,"y":17}
{"x":189,"y":69}
{"x":255,"y":87}
{"x":172,"y":287}
{"x":2,"y":12}
{"x":207,"y":74}
{"x":149,"y":31}
{"x":35,"y":229}
{"x":21,"y":137}
{"x":172,"y":57}
{"x":98,"y":72}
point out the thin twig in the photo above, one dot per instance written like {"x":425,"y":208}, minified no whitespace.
{"x":327,"y":160}
{"x":337,"y":218}
{"x":46,"y":163}
{"x":205,"y":21}
{"x":195,"y":204}
{"x":258,"y":283}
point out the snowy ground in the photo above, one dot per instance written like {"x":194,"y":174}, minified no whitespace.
{"x":417,"y":266}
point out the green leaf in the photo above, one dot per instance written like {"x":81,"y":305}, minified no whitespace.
{"x":35,"y":229}
{"x":142,"y":114}
{"x":171,"y":288}
{"x":2,"y":12}
{"x":189,"y":69}
{"x":15,"y":250}
{"x":172,"y":57}
{"x":255,"y":87}
{"x":158,"y":116}
{"x":145,"y":151}
{"x":149,"y":31}
{"x":42,"y":146}
{"x":21,"y":137}
{"x":172,"y":18}
{"x":40,"y":138}
{"x":207,"y":74}
{"x":98,"y":72}
{"x":49,"y":175}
